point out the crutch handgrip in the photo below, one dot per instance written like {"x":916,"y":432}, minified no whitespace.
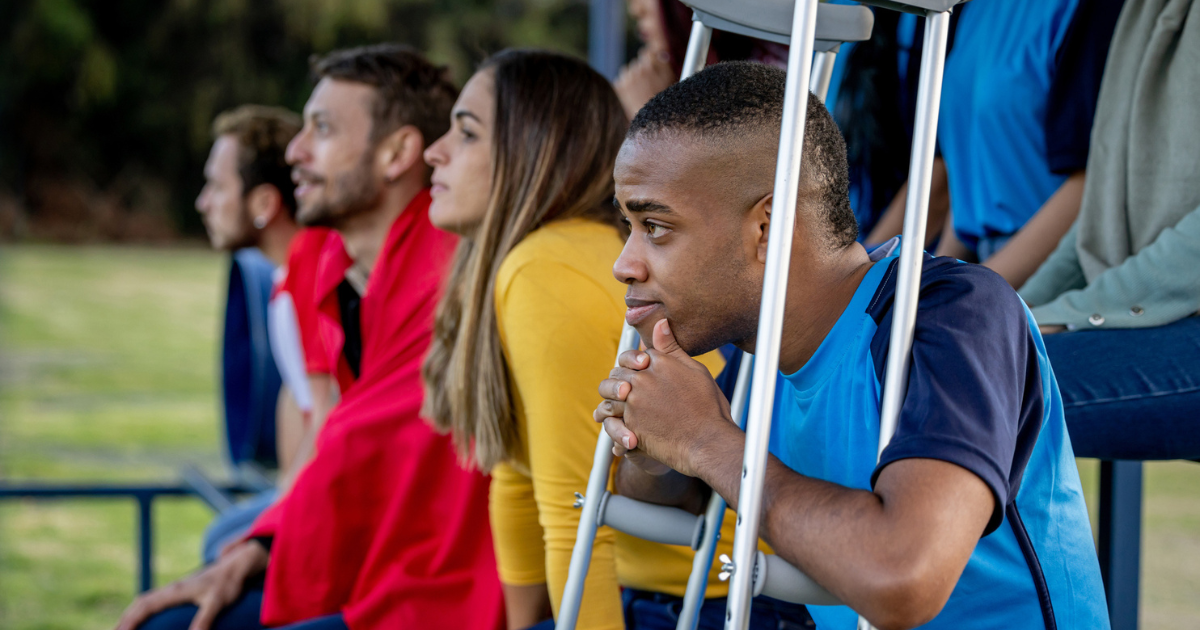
{"x":775,"y":577}
{"x":657,"y":523}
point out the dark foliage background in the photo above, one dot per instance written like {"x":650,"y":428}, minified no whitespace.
{"x":105,"y":105}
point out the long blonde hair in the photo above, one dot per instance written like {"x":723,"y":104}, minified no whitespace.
{"x":558,"y":128}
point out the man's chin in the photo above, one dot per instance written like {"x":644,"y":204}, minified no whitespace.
{"x":316,"y":216}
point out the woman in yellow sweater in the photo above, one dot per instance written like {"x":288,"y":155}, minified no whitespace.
{"x":531,"y":320}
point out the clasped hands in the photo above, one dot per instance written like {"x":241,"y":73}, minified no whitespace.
{"x":661,"y":407}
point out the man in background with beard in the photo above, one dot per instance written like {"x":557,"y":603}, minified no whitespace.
{"x":382,"y":528}
{"x":247,"y":202}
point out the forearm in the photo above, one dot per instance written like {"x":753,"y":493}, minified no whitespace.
{"x":950,"y":245}
{"x":865,"y":552}
{"x":671,"y":488}
{"x":891,"y":222}
{"x":1033,"y":244}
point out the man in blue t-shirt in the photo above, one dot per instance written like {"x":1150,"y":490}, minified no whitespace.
{"x":974,"y":516}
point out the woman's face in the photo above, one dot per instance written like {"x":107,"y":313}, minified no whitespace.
{"x":462,"y":159}
{"x":647,"y":14}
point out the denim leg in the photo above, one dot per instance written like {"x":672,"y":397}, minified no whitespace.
{"x":657,"y":611}
{"x":242,"y":614}
{"x":232,"y":524}
{"x":1132,"y":393}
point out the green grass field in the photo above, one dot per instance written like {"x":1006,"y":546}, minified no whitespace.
{"x":107,"y":365}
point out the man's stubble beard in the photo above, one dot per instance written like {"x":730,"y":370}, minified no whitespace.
{"x":729,"y":317}
{"x":351,"y":194}
{"x":246,"y":236}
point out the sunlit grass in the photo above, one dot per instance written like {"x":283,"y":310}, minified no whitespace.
{"x":107,"y":364}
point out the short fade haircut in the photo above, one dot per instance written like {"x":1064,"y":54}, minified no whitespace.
{"x":737,"y":98}
{"x":410,"y":89}
{"x":262,"y":134}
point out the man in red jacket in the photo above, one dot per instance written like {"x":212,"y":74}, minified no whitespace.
{"x":382,"y":528}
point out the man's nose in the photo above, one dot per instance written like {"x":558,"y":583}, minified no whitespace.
{"x":630,"y":267}
{"x":297,"y":149}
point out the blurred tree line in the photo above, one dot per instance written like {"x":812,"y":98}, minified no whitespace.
{"x":105,"y":105}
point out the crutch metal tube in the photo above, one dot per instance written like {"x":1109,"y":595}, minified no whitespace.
{"x":714,"y":516}
{"x":770,"y":322}
{"x":822,"y":73}
{"x":916,"y":206}
{"x":697,"y":50}
{"x":908,"y":285}
{"x":581,"y":555}
{"x":585,"y":535}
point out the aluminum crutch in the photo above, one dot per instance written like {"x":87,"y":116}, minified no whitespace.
{"x":770,"y":322}
{"x":902,"y":331}
{"x":916,"y":204}
{"x":836,"y":24}
{"x":595,"y":502}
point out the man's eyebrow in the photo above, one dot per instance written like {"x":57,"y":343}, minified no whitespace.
{"x":464,"y":113}
{"x":647,"y":206}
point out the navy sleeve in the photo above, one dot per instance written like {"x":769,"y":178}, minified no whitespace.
{"x":974,"y":395}
{"x":1075,"y":84}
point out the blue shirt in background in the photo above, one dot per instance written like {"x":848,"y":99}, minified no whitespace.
{"x":981,"y":395}
{"x":1018,"y":100}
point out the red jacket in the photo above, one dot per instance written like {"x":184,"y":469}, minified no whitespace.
{"x":304,"y":255}
{"x":383,"y":525}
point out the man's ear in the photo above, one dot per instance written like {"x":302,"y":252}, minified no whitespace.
{"x":401,"y":151}
{"x":760,"y":218}
{"x":263,"y":203}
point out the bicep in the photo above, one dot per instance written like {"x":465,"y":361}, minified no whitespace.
{"x":942,"y":504}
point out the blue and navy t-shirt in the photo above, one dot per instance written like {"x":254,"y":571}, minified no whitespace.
{"x":980,"y":395}
{"x":1018,"y":99}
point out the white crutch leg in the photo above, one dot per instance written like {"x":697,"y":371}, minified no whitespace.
{"x":904,"y":317}
{"x":770,"y":325}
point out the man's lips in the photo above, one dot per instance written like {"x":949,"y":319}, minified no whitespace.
{"x":304,"y":189}
{"x":638,"y":311}
{"x":305,"y":182}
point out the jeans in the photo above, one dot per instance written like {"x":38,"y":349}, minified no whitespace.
{"x":655,"y":611}
{"x":234,"y":523}
{"x":242,"y":614}
{"x":1131,"y":393}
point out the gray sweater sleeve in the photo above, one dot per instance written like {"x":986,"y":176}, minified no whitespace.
{"x":1060,"y":273}
{"x":1158,"y":285}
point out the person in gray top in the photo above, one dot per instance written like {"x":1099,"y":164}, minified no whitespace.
{"x":1128,"y":272}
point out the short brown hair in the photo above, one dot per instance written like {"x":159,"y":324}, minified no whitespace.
{"x":411,"y":89}
{"x":262,"y":134}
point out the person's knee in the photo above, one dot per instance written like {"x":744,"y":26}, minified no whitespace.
{"x":177,"y":618}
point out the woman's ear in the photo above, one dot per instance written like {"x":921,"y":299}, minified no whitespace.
{"x":760,"y":220}
{"x":401,"y":152}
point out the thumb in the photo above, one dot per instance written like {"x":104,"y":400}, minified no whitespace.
{"x":664,"y":340}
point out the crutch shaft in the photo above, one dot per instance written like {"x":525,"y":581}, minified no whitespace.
{"x":822,"y":73}
{"x":767,"y":343}
{"x":912,"y":251}
{"x":697,"y":50}
{"x":581,"y":555}
{"x":714,"y":516}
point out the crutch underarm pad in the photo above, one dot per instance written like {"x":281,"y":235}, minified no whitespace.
{"x":656,"y":523}
{"x":915,"y":6}
{"x":772,"y":20}
{"x":774,"y":577}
